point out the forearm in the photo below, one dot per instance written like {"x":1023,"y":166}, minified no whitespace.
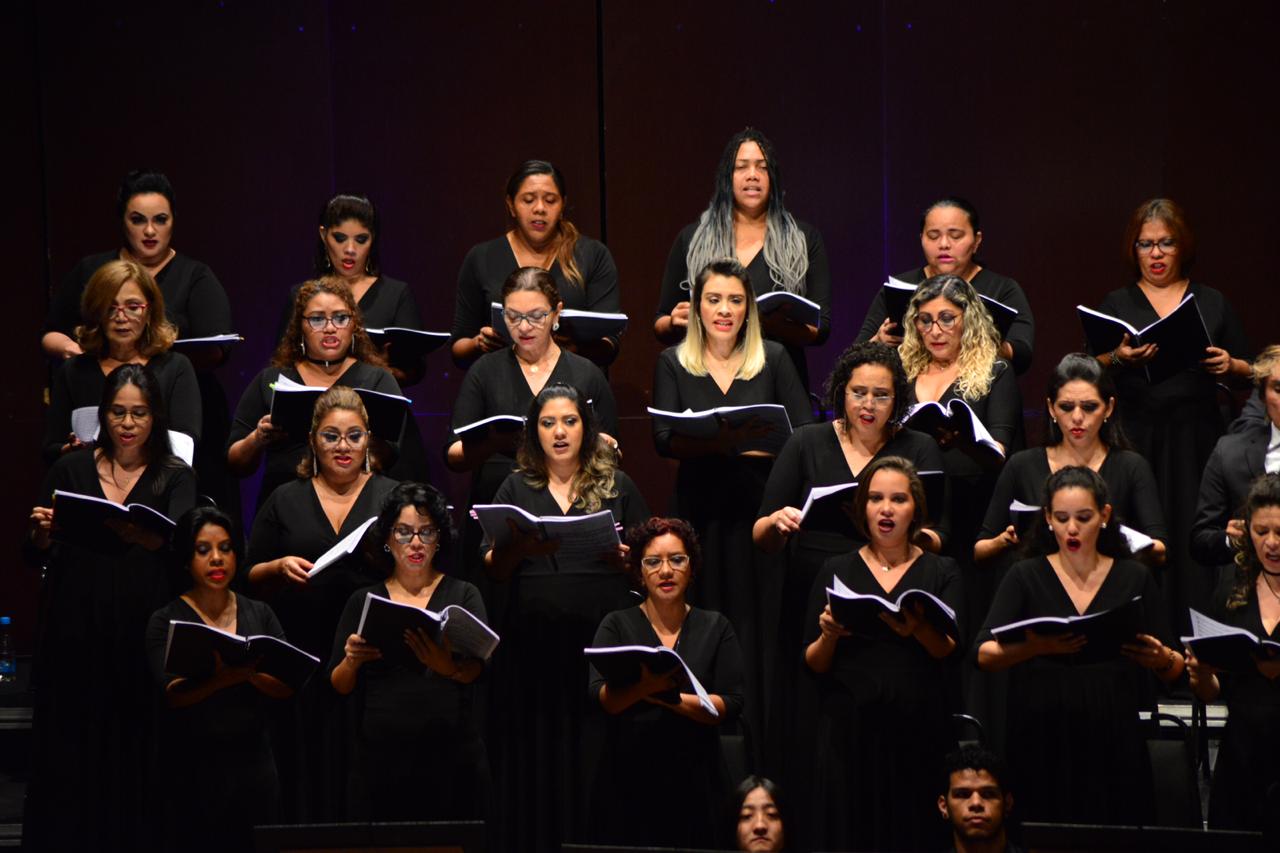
{"x":994,"y":656}
{"x":1207,"y":689}
{"x":936,"y":644}
{"x":269,"y":685}
{"x":244,"y":456}
{"x":666,"y":331}
{"x":58,"y":345}
{"x":466,"y":350}
{"x":766,"y":536}
{"x":930,"y":540}
{"x":464,"y":671}
{"x":691,"y":707}
{"x":184,"y":692}
{"x":616,"y":700}
{"x":344,"y":676}
{"x":500,"y":563}
{"x":986,"y":549}
{"x":819,"y":653}
{"x":465,"y":456}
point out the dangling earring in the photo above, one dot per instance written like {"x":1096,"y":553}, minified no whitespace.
{"x":315,"y":463}
{"x":555,"y":327}
{"x":366,"y":461}
{"x":302,"y":347}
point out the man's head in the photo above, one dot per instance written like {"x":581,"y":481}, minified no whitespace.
{"x":976,"y":798}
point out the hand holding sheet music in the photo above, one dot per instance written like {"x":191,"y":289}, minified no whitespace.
{"x":955,"y":424}
{"x":570,"y":544}
{"x":762,"y":427}
{"x":1227,"y":648}
{"x":1088,"y":638}
{"x":623,"y":666}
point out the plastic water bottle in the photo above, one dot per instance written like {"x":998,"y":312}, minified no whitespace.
{"x":8,"y":660}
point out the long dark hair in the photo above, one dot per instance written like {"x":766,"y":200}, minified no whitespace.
{"x":1265,"y":492}
{"x":290,"y":350}
{"x":568,"y":231}
{"x":594,"y":483}
{"x":337,"y":210}
{"x":1110,"y":542}
{"x":156,"y":450}
{"x":1085,"y":368}
{"x":428,"y":501}
{"x":188,"y":527}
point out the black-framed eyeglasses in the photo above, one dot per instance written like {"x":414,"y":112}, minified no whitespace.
{"x":1168,"y":244}
{"x":117,"y":414}
{"x":331,"y":438}
{"x":946,"y":321}
{"x":339,"y":320}
{"x":404,"y":535}
{"x":537,"y":319}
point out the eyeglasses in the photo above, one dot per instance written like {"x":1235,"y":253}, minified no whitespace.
{"x":132,"y":308}
{"x":404,"y":535}
{"x":117,"y":414}
{"x":1168,"y":244}
{"x":677,"y":562}
{"x":535,"y":318}
{"x":946,"y":321}
{"x":317,"y":321}
{"x":860,"y":397}
{"x":331,"y":438}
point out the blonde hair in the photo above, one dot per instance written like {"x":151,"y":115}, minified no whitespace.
{"x":692,"y":349}
{"x":1263,"y":365}
{"x":157,"y":335}
{"x":979,"y":342}
{"x":337,"y":397}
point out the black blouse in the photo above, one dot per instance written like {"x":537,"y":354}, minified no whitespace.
{"x":282,"y":458}
{"x":628,"y":507}
{"x":676,"y":286}
{"x":194,"y":300}
{"x":1022,"y":333}
{"x":79,"y":382}
{"x":488,"y":264}
{"x":1000,"y":412}
{"x":1134,"y":498}
{"x":676,"y":389}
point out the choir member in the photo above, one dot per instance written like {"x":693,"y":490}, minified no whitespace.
{"x":1175,"y":422}
{"x":505,"y":382}
{"x":759,"y":824}
{"x":976,"y":801}
{"x":950,"y":235}
{"x":92,"y":711}
{"x":348,"y":248}
{"x":747,"y":220}
{"x":1248,"y":600}
{"x":1074,"y":738}
{"x":1237,"y":460}
{"x":543,"y":735}
{"x":725,"y":361}
{"x":950,"y":351}
{"x":868,"y":389}
{"x":217,"y":772}
{"x":540,"y":237}
{"x":325,"y":345}
{"x":336,"y":488}
{"x":1083,"y":429}
{"x":884,"y":719}
{"x":194,"y":302}
{"x":660,"y":739}
{"x":412,"y":721}
{"x":124,"y":322}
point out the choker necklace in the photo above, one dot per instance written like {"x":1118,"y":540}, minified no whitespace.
{"x":324,"y":363}
{"x":1265,"y":572}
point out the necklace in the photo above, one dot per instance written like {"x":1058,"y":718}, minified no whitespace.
{"x":539,"y":365}
{"x":883,"y":564}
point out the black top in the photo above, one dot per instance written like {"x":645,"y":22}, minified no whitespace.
{"x":234,"y":717}
{"x":1237,"y":460}
{"x":1000,"y":412}
{"x":676,"y":286}
{"x":292,"y":523}
{"x":1022,"y":334}
{"x":194,"y":300}
{"x":488,"y":264}
{"x":1139,"y":395}
{"x":387,"y":302}
{"x":79,"y":381}
{"x":676,"y":389}
{"x":282,"y":458}
{"x":628,"y":507}
{"x":813,"y":457}
{"x":1134,"y":498}
{"x":397,"y":703}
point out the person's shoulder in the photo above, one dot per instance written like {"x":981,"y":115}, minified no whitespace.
{"x":487,"y":248}
{"x":378,"y":588}
{"x":999,"y":367}
{"x":289,"y":492}
{"x":456,"y":587}
{"x":671,"y":355}
{"x":380,"y":485}
{"x":590,"y":247}
{"x":941,"y":563}
{"x":514,"y":486}
{"x":1238,"y":442}
{"x":1026,"y":568}
{"x":78,"y":460}
{"x":713,"y":621}
{"x":581,"y":365}
{"x":492,"y":362}
{"x":392,"y":286}
{"x":170,"y":360}
{"x":189,"y":266}
{"x":774,"y":352}
{"x":685,"y":235}
{"x":623,"y":482}
{"x":89,"y":264}
{"x":991,"y":283}
{"x":1028,"y":458}
{"x":1132,"y":570}
{"x":914,"y":275}
{"x":255,"y":606}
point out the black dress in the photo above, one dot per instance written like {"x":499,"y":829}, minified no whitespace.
{"x":719,"y":496}
{"x":1022,"y":333}
{"x":652,"y":751}
{"x":1175,"y":424}
{"x":217,"y":774}
{"x":1074,"y":741}
{"x":676,"y":286}
{"x":543,"y":732}
{"x":813,"y":457}
{"x":1250,"y":743}
{"x":488,"y":265}
{"x":1134,"y":501}
{"x":195,"y":302}
{"x":885,"y":723}
{"x":79,"y":382}
{"x":309,"y":738}
{"x":93,"y":709}
{"x":410,"y":723}
{"x":281,"y":464}
{"x":495,"y":385}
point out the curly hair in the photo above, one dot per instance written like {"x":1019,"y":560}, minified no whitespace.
{"x":905,"y":467}
{"x":568,"y":231}
{"x":291,"y":347}
{"x":428,"y":501}
{"x":1264,"y":493}
{"x":158,"y":334}
{"x":855,"y":356}
{"x":979,"y":343}
{"x":337,"y":397}
{"x":593,"y":484}
{"x":640,"y":535}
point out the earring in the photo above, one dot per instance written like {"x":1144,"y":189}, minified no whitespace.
{"x":1104,"y":525}
{"x":367,"y":469}
{"x":387,"y":548}
{"x":302,"y":347}
{"x":555,"y":327}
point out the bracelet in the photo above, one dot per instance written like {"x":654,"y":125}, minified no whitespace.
{"x":1169,"y":665}
{"x":1115,"y":358}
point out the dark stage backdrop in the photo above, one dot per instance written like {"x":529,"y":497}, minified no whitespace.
{"x":1056,"y":120}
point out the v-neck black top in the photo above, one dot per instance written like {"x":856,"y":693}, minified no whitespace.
{"x":292,"y":523}
{"x":1000,"y":412}
{"x":281,"y":461}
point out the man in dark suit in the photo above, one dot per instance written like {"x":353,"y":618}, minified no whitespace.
{"x":1238,"y":459}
